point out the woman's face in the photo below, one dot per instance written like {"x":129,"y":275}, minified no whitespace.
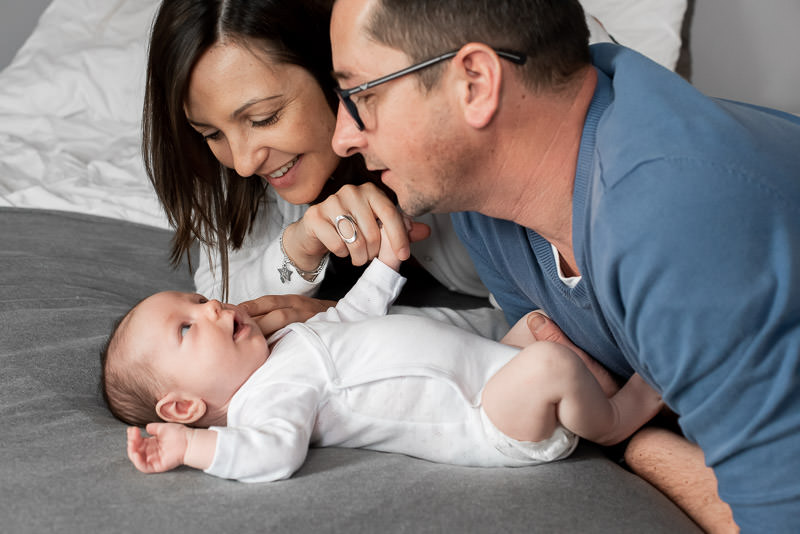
{"x":264,"y":119}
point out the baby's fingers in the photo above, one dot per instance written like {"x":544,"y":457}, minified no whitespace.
{"x":137,"y":449}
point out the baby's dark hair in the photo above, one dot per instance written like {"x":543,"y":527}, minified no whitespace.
{"x":129,"y":387}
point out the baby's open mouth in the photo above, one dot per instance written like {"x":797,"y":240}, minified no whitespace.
{"x":238,"y":326}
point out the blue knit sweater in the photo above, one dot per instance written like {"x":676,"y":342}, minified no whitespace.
{"x":686,"y":231}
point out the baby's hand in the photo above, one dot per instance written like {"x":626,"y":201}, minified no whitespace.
{"x":386,"y":253}
{"x":163,"y":450}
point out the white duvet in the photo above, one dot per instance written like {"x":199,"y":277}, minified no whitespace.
{"x":70,"y":101}
{"x":70,"y":105}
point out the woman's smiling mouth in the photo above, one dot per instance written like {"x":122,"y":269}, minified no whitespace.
{"x":284,"y":169}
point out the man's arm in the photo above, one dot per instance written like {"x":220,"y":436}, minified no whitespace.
{"x":677,"y":468}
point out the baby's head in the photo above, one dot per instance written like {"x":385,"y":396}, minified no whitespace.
{"x":179,"y":357}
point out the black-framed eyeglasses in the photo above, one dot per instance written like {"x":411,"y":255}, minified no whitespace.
{"x":352,"y":109}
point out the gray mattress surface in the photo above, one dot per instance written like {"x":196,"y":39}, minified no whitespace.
{"x":66,"y":277}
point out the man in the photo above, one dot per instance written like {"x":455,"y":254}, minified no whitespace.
{"x":658,"y":227}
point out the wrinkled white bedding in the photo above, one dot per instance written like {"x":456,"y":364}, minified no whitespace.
{"x":70,"y":105}
{"x":70,"y":101}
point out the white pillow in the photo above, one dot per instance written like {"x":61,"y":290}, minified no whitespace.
{"x":652,"y":27}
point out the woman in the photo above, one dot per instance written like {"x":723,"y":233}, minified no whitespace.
{"x":238,"y":119}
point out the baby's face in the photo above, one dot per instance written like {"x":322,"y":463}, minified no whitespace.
{"x":201,"y":347}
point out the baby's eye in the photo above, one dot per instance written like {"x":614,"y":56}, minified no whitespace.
{"x":185,"y":328}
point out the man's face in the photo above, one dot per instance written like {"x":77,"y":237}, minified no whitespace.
{"x":410,"y":135}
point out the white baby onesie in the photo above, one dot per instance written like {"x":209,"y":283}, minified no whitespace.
{"x":355,"y":377}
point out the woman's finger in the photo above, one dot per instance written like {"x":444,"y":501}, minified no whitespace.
{"x":263,"y":305}
{"x":354,"y":221}
{"x":277,"y":311}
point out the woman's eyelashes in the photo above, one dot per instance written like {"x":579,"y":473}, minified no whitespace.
{"x":262,"y":123}
{"x":269,"y":121}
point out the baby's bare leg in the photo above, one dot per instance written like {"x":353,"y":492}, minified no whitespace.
{"x":522,"y":335}
{"x":541,"y":386}
{"x":547,"y":384}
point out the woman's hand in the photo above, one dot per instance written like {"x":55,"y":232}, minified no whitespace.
{"x":273,"y":312}
{"x":309,"y":239}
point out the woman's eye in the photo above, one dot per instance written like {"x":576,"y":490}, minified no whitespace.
{"x":184,"y":329}
{"x":272,"y":119}
{"x":213,"y":136}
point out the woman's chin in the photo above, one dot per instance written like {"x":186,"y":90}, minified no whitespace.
{"x":298,"y":194}
{"x":302,"y":184}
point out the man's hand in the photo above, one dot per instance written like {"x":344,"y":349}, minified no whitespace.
{"x":273,"y":312}
{"x":163,"y":450}
{"x":544,"y":329}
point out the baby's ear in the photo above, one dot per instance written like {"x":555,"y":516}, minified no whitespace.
{"x":178,"y":408}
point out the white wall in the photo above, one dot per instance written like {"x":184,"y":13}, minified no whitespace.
{"x":747,"y":50}
{"x":17,"y":20}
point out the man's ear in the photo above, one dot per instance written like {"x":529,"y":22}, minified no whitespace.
{"x":481,"y":76}
{"x":178,"y":408}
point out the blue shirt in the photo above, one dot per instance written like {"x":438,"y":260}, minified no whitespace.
{"x":686,"y":231}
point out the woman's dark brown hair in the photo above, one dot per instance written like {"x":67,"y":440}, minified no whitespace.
{"x":203,"y":200}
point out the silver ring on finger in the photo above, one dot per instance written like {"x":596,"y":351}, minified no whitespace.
{"x":337,"y":222}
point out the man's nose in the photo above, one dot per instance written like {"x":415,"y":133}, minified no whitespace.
{"x":347,"y":138}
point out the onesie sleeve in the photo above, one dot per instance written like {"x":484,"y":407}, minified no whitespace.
{"x":253,"y":269}
{"x":268,"y":433}
{"x":371,"y":295}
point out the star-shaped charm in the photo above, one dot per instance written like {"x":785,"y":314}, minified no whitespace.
{"x":285,"y":273}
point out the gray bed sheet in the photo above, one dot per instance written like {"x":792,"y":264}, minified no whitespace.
{"x":66,"y":277}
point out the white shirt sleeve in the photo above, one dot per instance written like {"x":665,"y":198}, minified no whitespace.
{"x":253,"y":269}
{"x":268,"y":433}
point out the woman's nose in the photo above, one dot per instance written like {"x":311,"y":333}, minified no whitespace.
{"x":248,"y":157}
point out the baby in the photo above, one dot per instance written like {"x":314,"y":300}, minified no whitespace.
{"x":240,"y":406}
